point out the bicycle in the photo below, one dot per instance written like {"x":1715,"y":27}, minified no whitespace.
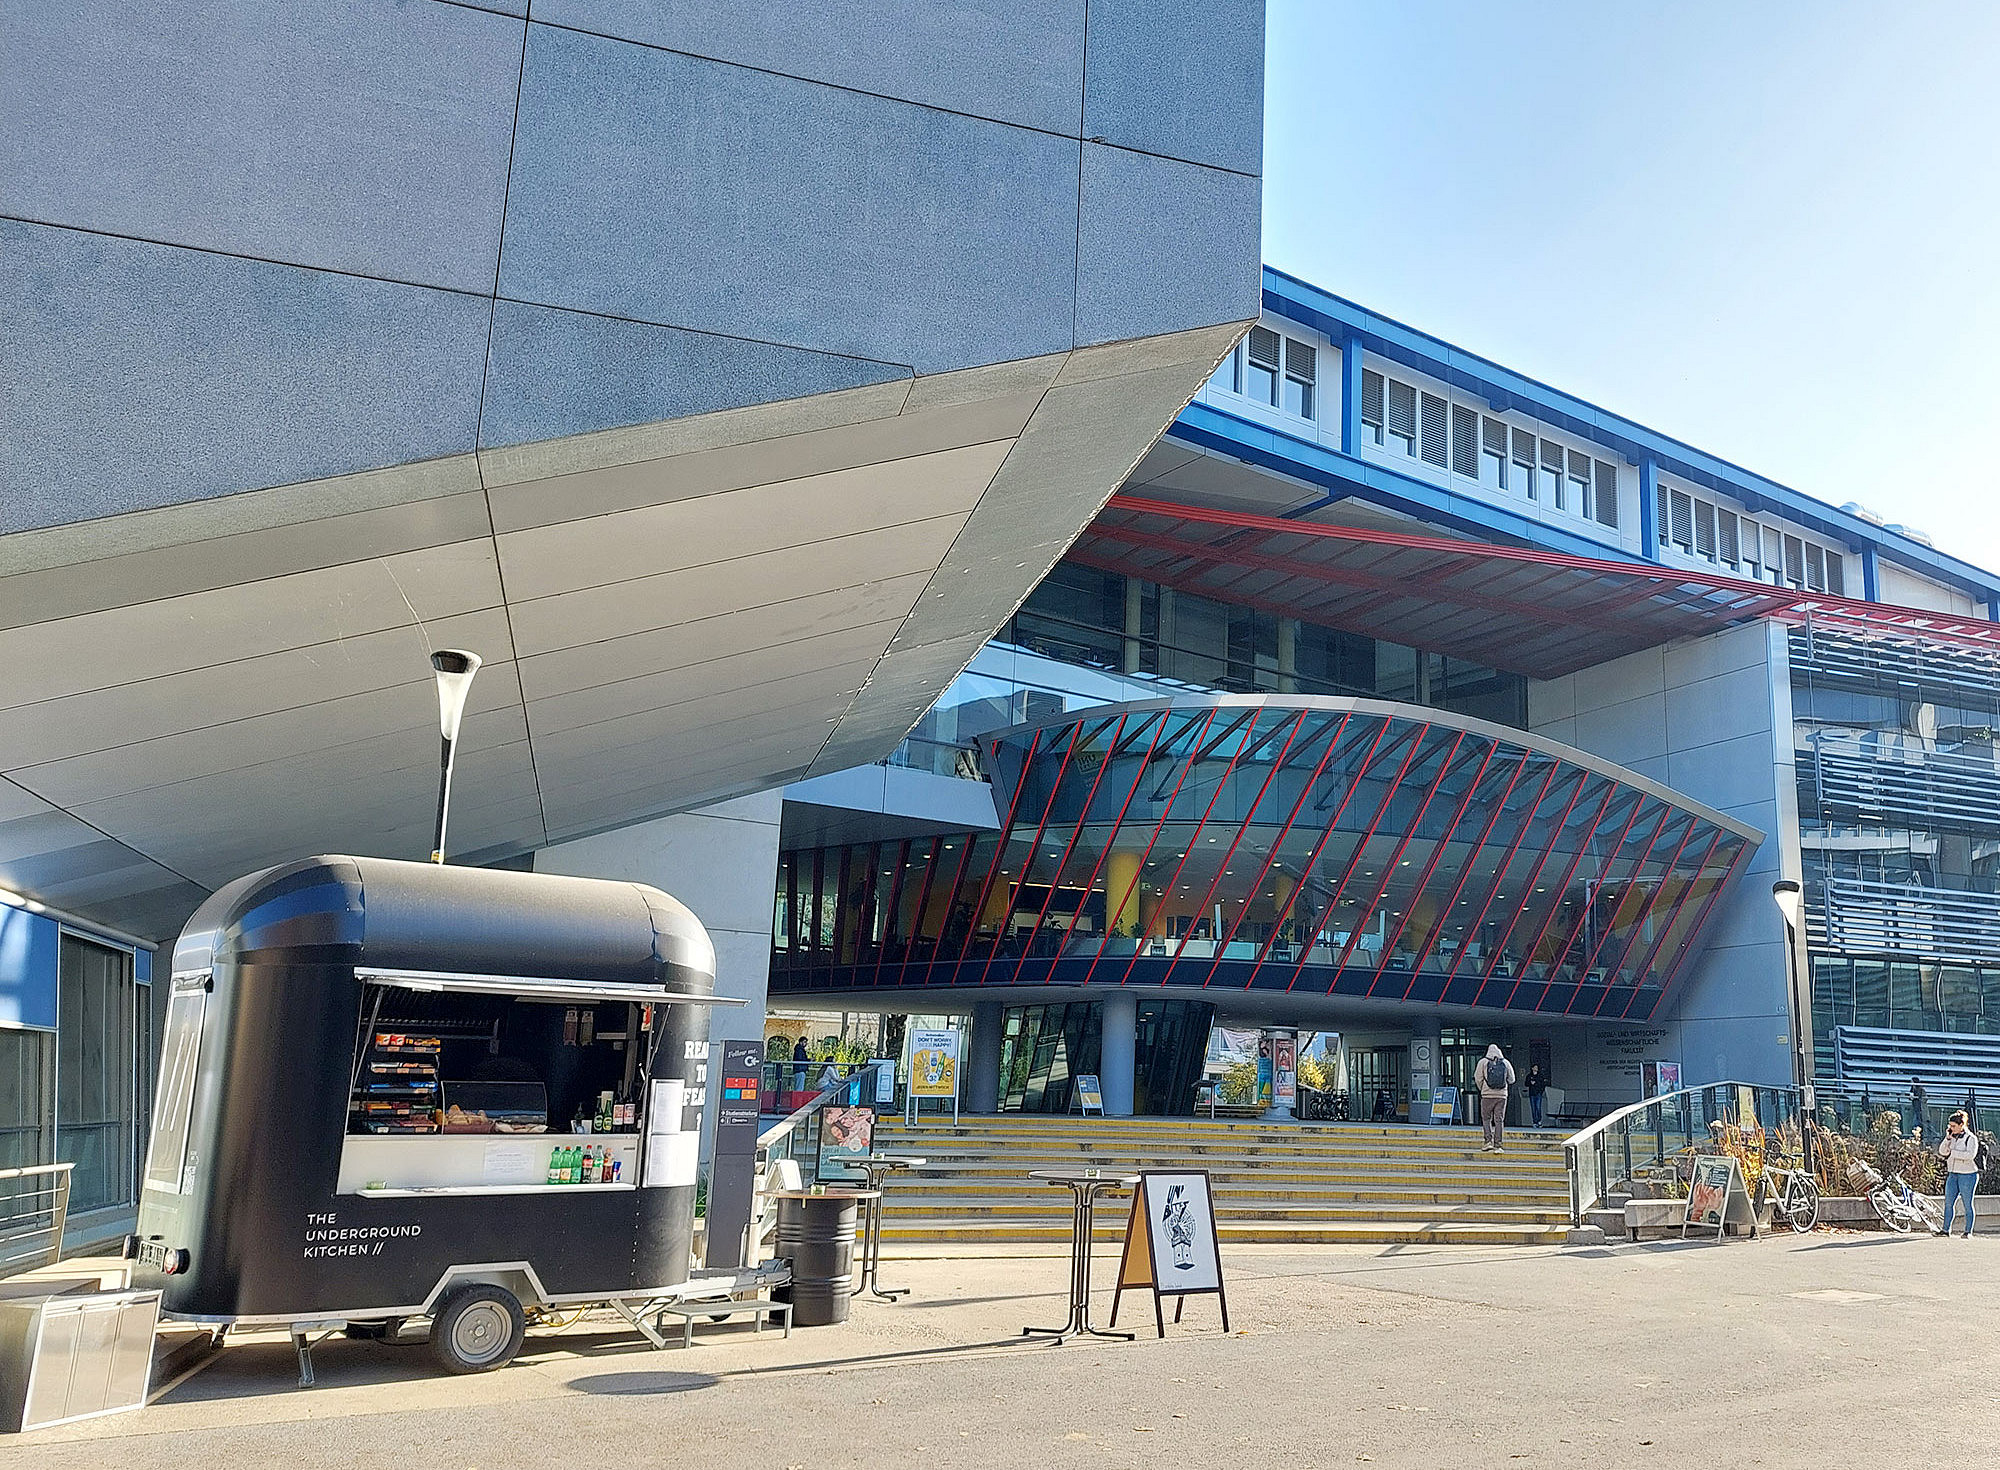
{"x":1794,"y":1194}
{"x":1897,"y":1205}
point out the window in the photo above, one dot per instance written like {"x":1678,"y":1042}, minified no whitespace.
{"x":180,"y":1053}
{"x":1300,"y":362}
{"x":1704,"y":529}
{"x":1431,"y":448}
{"x":1579,"y":483}
{"x":1836,"y":574}
{"x":1493,"y":444}
{"x":1815,"y":568}
{"x":96,"y":1057}
{"x":1403,"y":414}
{"x":1229,"y":375}
{"x":1551,"y":478}
{"x":1605,"y":501}
{"x":1265,"y":346}
{"x":1464,"y":441}
{"x":1726,"y":546}
{"x":1795,"y":561}
{"x":1371,"y":405}
{"x":1751,"y":537}
{"x":1774,"y":554}
{"x":24,"y":1096}
{"x":1680,"y":515}
{"x":1524,"y":457}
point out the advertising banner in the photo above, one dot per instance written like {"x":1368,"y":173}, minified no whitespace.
{"x":933,"y":1063}
{"x":1089,"y":1094}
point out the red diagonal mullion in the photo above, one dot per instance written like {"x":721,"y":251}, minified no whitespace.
{"x":1500,"y":871}
{"x":1396,"y":854}
{"x":1736,"y":865}
{"x":1583,"y":912}
{"x":1451,"y":899}
{"x":1653,"y":955}
{"x":1083,"y":815}
{"x":1583,"y":776}
{"x":1034,"y":846}
{"x":1319,"y":846}
{"x":1249,"y":815}
{"x":1339,"y":728}
{"x":889,"y":916}
{"x":1437,"y":852}
{"x":1492,"y":822}
{"x":1653,"y":903}
{"x":1117,"y":825}
{"x":1221,"y":785}
{"x":1361,"y":846}
{"x":1006,"y":831}
{"x":917,"y":916}
{"x":1596,"y":950}
{"x":1611,"y":790}
{"x":1138,"y":873}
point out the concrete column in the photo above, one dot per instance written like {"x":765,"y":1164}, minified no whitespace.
{"x":1134,"y":593}
{"x":1121,"y":892}
{"x":1350,"y":394}
{"x":1118,"y":1055}
{"x":982,"y":1063}
{"x":1288,"y":655}
{"x":1425,"y":1063}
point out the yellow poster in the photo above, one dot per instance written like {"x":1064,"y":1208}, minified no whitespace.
{"x":933,"y":1063}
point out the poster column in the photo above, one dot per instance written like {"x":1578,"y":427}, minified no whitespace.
{"x":732,"y":1168}
{"x":1425,"y":1060}
{"x":1278,"y":1072}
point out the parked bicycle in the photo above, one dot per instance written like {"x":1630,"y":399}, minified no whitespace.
{"x":1898,"y":1206}
{"x":1793,"y":1194}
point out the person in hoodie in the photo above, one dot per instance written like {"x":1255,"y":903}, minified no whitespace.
{"x":1959,"y":1148}
{"x":1495,"y":1076}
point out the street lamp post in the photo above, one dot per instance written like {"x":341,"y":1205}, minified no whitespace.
{"x":1790,"y":899}
{"x":454,"y":668}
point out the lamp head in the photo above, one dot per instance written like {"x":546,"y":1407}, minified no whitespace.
{"x":455,"y":668}
{"x":1790,"y":900}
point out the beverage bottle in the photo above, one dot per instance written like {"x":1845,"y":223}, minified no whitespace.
{"x":555,"y":1166}
{"x":569,"y":1165}
{"x":587,"y":1177}
{"x":604,"y":1168}
{"x":617,"y":1167}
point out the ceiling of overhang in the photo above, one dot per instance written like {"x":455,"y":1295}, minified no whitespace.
{"x":669,"y":615}
{"x":1531,"y":612}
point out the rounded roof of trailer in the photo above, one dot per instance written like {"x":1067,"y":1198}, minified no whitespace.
{"x":388,"y":914}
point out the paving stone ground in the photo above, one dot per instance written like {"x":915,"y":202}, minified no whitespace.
{"x":1841,"y":1349}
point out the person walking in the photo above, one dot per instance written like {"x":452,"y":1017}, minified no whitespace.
{"x":799,"y":1060}
{"x":1538,"y":1085}
{"x":1495,"y":1075}
{"x":1959,"y":1148}
{"x":1919,"y":1101}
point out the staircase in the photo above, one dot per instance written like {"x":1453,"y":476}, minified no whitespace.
{"x":1285,"y":1184}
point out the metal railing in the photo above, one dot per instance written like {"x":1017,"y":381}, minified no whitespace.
{"x":1647,"y":1134}
{"x":34,"y":1207}
{"x":796,"y":1138}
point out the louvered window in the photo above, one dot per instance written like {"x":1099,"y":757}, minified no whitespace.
{"x":1403,"y":414}
{"x":1524,"y":456}
{"x":1774,"y":555}
{"x":1795,"y":561}
{"x":1725,"y":536}
{"x":1605,"y":505}
{"x":1836,"y":574}
{"x":1680,"y":512}
{"x":1493,"y":443}
{"x":1752,"y":538}
{"x":1432,"y":449}
{"x":1265,"y":346}
{"x":1704,"y":529}
{"x":1464,"y":441}
{"x":1815,"y":568}
{"x":1300,"y":364}
{"x":1371,"y":404}
{"x":1579,"y":483}
{"x":1551,"y":478}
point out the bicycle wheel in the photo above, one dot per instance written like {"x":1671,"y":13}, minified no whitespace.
{"x":1801,"y":1204}
{"x":1928,"y":1211}
{"x":1892,"y":1211}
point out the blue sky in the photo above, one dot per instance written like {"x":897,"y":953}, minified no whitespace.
{"x":1771,"y":229}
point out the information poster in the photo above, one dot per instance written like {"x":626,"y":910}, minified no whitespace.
{"x":933,"y":1063}
{"x":1717,"y":1196}
{"x":845,"y":1134}
{"x":1444,"y":1104}
{"x":1089,"y":1095}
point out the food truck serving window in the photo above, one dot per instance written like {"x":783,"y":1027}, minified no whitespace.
{"x":180,"y":1052}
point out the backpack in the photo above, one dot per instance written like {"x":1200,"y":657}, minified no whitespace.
{"x":1495,"y":1075}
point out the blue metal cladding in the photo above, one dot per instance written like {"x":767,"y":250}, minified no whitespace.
{"x":1330,"y":847}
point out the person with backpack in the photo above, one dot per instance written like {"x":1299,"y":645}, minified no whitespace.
{"x":1495,"y":1075}
{"x":1538,"y":1086}
{"x":1964,"y":1155}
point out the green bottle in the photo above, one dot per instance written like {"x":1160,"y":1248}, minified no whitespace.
{"x":569,"y":1164}
{"x":555,"y":1166}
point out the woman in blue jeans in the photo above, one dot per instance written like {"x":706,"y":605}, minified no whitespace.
{"x":1959,"y":1148}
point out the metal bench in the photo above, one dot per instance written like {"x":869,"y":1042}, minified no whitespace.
{"x":721,"y":1307}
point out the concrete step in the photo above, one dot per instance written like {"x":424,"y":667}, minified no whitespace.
{"x":972,"y":1233}
{"x":1371,"y":1210}
{"x":915,"y":1192}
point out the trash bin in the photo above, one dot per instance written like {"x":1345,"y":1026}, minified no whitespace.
{"x":816,"y":1231}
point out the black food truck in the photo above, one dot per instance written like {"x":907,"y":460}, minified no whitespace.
{"x":392,"y":1090}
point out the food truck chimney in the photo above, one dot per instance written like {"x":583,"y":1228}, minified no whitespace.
{"x":455,"y":668}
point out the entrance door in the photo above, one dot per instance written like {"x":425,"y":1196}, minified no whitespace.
{"x":1377,"y":1070}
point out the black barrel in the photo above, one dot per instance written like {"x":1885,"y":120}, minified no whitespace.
{"x":817,"y":1233}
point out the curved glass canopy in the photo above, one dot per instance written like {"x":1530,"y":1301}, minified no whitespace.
{"x":1336,"y":847}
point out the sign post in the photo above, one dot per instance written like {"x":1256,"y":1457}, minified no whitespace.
{"x":1089,"y":1094}
{"x":1717,"y":1196}
{"x":1171,"y":1247}
{"x":933,"y":1071}
{"x":732,"y":1165}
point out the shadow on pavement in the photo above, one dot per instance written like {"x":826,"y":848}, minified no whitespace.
{"x":654,"y":1381}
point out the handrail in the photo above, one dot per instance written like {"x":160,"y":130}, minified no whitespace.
{"x":819,"y":1100}
{"x":1587,"y":1187}
{"x":859,"y":1083}
{"x":13,"y":1256}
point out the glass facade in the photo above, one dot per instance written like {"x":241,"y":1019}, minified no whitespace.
{"x":1045,"y":1048}
{"x":1287,"y":844}
{"x":1899,"y":825}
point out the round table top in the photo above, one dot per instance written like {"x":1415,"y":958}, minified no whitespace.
{"x":891,"y":1161}
{"x":830,"y":1193}
{"x":1083,"y":1176}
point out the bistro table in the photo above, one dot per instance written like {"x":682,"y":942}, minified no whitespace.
{"x":1085,"y":1185}
{"x":877,"y":1168}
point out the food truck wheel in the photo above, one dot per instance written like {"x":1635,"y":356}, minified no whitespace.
{"x":477,"y":1327}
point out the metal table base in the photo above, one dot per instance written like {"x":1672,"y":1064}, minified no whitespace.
{"x":1085,"y":1188}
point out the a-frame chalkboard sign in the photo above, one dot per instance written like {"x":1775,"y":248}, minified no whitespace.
{"x":1171,"y":1247}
